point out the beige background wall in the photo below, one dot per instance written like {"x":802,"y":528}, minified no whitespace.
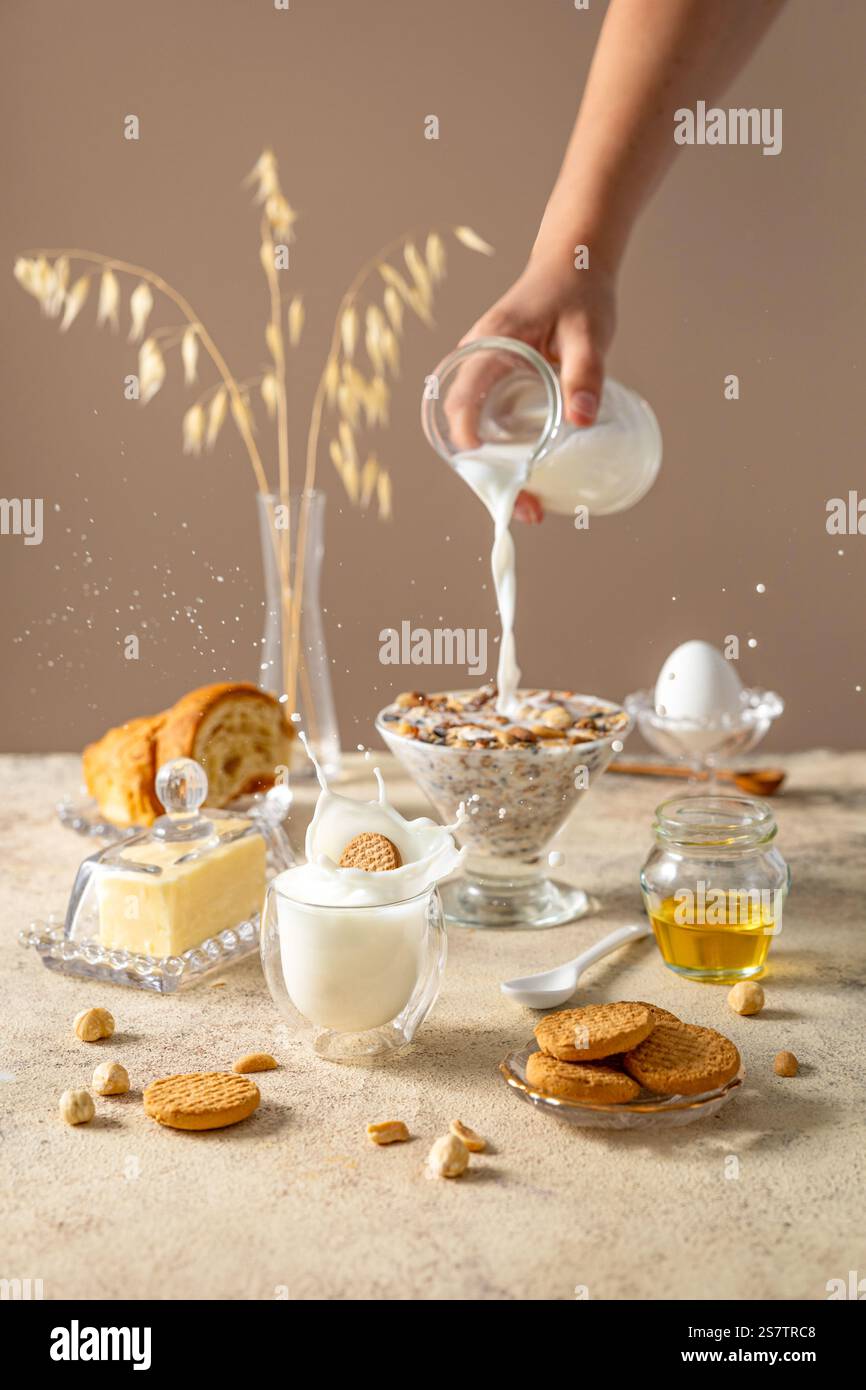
{"x":743,"y":264}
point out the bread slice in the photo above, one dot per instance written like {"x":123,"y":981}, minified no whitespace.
{"x":236,"y":731}
{"x":120,"y":772}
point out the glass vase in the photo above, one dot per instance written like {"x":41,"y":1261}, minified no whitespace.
{"x":294,"y":658}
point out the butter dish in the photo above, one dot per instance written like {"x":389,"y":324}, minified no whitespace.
{"x":162,"y":908}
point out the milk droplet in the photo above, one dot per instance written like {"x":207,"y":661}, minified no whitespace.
{"x":752,"y":642}
{"x":760,"y":588}
{"x":555,"y":858}
{"x":617,"y":745}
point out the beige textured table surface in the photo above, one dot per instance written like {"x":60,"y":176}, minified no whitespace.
{"x":295,"y":1202}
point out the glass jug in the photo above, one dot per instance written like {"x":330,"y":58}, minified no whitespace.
{"x":498,"y":401}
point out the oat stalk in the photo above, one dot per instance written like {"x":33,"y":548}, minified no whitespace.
{"x":364,"y":323}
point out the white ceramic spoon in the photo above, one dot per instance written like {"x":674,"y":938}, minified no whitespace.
{"x":552,"y":987}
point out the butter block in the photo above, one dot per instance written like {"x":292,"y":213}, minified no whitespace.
{"x":165,"y":914}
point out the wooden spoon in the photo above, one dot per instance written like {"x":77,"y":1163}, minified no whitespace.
{"x":754,"y":781}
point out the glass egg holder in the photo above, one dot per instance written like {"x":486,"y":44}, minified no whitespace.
{"x":183,"y":836}
{"x":703,"y":745}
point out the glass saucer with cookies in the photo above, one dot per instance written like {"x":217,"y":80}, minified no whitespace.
{"x":624,"y":1065}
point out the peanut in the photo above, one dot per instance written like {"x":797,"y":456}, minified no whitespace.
{"x":474,"y":1143}
{"x":388,"y":1132}
{"x":255,"y":1061}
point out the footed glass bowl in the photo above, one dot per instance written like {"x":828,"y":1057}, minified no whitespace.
{"x":704,"y":745}
{"x":517,"y":799}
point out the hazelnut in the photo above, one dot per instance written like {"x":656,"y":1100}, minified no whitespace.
{"x":786,"y":1064}
{"x":557,"y":718}
{"x":448,"y":1158}
{"x":92,"y":1024}
{"x":747,"y":997}
{"x":76,"y":1107}
{"x":110,"y":1079}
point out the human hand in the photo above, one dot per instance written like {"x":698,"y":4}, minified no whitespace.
{"x":569,"y":317}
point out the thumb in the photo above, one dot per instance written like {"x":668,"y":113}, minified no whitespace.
{"x":581,"y":376}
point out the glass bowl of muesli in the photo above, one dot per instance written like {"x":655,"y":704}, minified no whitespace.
{"x":519,"y":776}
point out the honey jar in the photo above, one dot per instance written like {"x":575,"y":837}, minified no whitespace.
{"x":714,"y":886}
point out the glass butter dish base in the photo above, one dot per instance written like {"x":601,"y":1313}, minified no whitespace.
{"x":648,"y":1111}
{"x":163,"y":908}
{"x":163,"y":975}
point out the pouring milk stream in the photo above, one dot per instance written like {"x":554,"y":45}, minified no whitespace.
{"x":515,"y":405}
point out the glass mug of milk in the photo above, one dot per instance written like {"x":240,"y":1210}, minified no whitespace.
{"x":364,"y":978}
{"x":498,"y":402}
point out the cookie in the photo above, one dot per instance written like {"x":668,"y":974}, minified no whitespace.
{"x":604,"y":1029}
{"x":372,"y":852}
{"x":657,"y":1013}
{"x":579,"y":1080}
{"x":680,"y":1059}
{"x":201,"y":1099}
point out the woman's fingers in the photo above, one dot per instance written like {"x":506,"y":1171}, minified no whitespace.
{"x":467,"y":393}
{"x":528,"y":508}
{"x":581,"y":376}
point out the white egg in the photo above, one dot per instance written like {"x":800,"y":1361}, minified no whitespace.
{"x":697,"y":683}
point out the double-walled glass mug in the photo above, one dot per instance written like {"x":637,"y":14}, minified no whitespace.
{"x":500,"y":397}
{"x":714,"y":886}
{"x":359,"y":980}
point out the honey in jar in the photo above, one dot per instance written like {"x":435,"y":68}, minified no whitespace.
{"x":714,"y":886}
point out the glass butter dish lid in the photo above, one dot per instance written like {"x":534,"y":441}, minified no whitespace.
{"x":166,"y":906}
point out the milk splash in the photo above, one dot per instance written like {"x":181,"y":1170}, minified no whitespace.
{"x":427,"y":850}
{"x":350,"y":970}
